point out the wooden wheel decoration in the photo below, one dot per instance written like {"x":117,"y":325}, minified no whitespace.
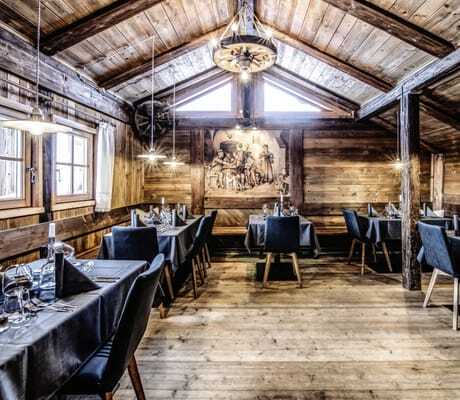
{"x":143,"y":120}
{"x":245,"y":53}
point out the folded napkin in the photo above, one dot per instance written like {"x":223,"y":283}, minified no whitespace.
{"x":180,"y":221}
{"x":374,"y":212}
{"x":70,"y":280}
{"x":439,"y":213}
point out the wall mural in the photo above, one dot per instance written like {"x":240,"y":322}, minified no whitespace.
{"x":245,"y":163}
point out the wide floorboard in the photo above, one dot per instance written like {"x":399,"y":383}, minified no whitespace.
{"x":342,"y":336}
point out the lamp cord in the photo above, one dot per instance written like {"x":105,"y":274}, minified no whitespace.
{"x":152,"y":107}
{"x":37,"y":71}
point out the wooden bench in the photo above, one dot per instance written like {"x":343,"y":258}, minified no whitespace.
{"x":229,"y":231}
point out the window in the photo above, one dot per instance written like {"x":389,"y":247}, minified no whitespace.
{"x":217,"y":99}
{"x":277,"y":99}
{"x":14,"y":160}
{"x":73,"y":166}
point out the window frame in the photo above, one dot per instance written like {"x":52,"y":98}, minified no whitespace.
{"x":26,"y":192}
{"x":69,"y":198}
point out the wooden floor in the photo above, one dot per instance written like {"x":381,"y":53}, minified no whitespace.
{"x":342,"y":336}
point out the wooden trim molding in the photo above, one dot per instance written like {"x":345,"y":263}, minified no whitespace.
{"x":72,"y":205}
{"x":20,"y":212}
{"x":73,"y":124}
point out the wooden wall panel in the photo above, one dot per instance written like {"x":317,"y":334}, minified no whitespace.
{"x":80,"y":227}
{"x":162,"y":181}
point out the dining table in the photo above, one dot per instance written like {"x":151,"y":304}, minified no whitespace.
{"x":255,"y":235}
{"x":40,"y":356}
{"x":173,"y":242}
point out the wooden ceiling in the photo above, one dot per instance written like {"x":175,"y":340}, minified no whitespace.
{"x":358,"y":49}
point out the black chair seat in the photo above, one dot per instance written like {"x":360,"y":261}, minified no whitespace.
{"x":90,"y":377}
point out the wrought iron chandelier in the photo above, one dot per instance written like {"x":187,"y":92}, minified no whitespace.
{"x":36,"y":123}
{"x":245,"y":46}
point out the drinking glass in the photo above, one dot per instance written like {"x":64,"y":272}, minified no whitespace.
{"x":16,"y":282}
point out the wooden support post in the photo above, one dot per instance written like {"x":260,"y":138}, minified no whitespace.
{"x":410,"y":189}
{"x":296,"y":167}
{"x":197,"y":171}
{"x":437,"y":180}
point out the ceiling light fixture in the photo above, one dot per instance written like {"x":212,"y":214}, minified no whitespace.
{"x":173,"y":162}
{"x":152,"y":155}
{"x":245,"y":46}
{"x":36,"y":123}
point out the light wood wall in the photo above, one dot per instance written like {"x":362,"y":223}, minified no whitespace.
{"x":20,"y":237}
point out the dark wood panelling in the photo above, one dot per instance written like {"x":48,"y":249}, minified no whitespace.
{"x":197,"y":170}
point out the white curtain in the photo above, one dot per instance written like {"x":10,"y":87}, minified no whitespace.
{"x":105,"y":164}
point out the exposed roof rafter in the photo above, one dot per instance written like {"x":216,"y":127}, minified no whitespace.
{"x":17,"y":22}
{"x":395,"y":25}
{"x":145,"y":66}
{"x":332,"y":61}
{"x":94,"y":23}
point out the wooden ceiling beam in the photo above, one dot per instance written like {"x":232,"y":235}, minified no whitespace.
{"x":92,"y":24}
{"x":17,"y":22}
{"x":332,"y":61}
{"x":395,"y":26}
{"x":432,"y":74}
{"x":323,"y":95}
{"x":145,"y":66}
{"x":432,"y":108}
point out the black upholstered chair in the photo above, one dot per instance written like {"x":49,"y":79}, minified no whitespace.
{"x":101,"y":373}
{"x":438,"y":255}
{"x":210,"y":226}
{"x":194,"y":254}
{"x":133,"y":243}
{"x":357,"y":230}
{"x":282,"y":236}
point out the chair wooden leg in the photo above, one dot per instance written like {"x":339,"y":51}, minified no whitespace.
{"x":203,"y":258}
{"x":208,"y":256}
{"x":194,"y":283}
{"x":169,"y":281}
{"x":199,"y":266}
{"x":163,"y":311}
{"x":295,"y":262}
{"x":455,"y":316}
{"x":108,"y":396}
{"x":429,"y":291}
{"x":387,"y":256}
{"x":267,"y":269}
{"x":352,"y":250}
{"x":363,"y":257}
{"x":136,"y":379}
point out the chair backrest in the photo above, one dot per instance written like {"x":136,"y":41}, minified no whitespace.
{"x":211,"y":225}
{"x":133,"y":321}
{"x":352,"y":222}
{"x":135,"y":243}
{"x":436,"y":248}
{"x":282,"y":234}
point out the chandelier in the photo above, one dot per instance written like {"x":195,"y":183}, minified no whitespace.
{"x":245,"y":46}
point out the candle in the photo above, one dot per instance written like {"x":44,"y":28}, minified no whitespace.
{"x":162,"y":201}
{"x":400,"y":198}
{"x":52,"y":230}
{"x":456,"y":227}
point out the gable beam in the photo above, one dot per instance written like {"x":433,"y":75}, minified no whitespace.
{"x":432,"y":74}
{"x":145,"y":66}
{"x":332,"y":61}
{"x":324,"y":96}
{"x":395,"y":26}
{"x":94,"y":23}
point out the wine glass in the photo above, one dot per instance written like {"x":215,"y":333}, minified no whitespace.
{"x":16,"y":282}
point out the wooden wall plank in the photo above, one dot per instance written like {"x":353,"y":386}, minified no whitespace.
{"x":197,"y":170}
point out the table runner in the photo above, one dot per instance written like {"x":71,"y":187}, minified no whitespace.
{"x":173,"y":243}
{"x":382,"y":229}
{"x":36,"y":360}
{"x":255,"y":235}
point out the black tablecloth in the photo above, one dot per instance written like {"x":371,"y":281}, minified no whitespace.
{"x":255,"y":236}
{"x":382,"y":229}
{"x":37,"y":359}
{"x":173,"y":243}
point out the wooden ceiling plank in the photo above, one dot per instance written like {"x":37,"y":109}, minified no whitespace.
{"x":94,"y":23}
{"x":160,"y":59}
{"x":17,"y":22}
{"x":433,"y":73}
{"x":395,"y":25}
{"x":332,"y":61}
